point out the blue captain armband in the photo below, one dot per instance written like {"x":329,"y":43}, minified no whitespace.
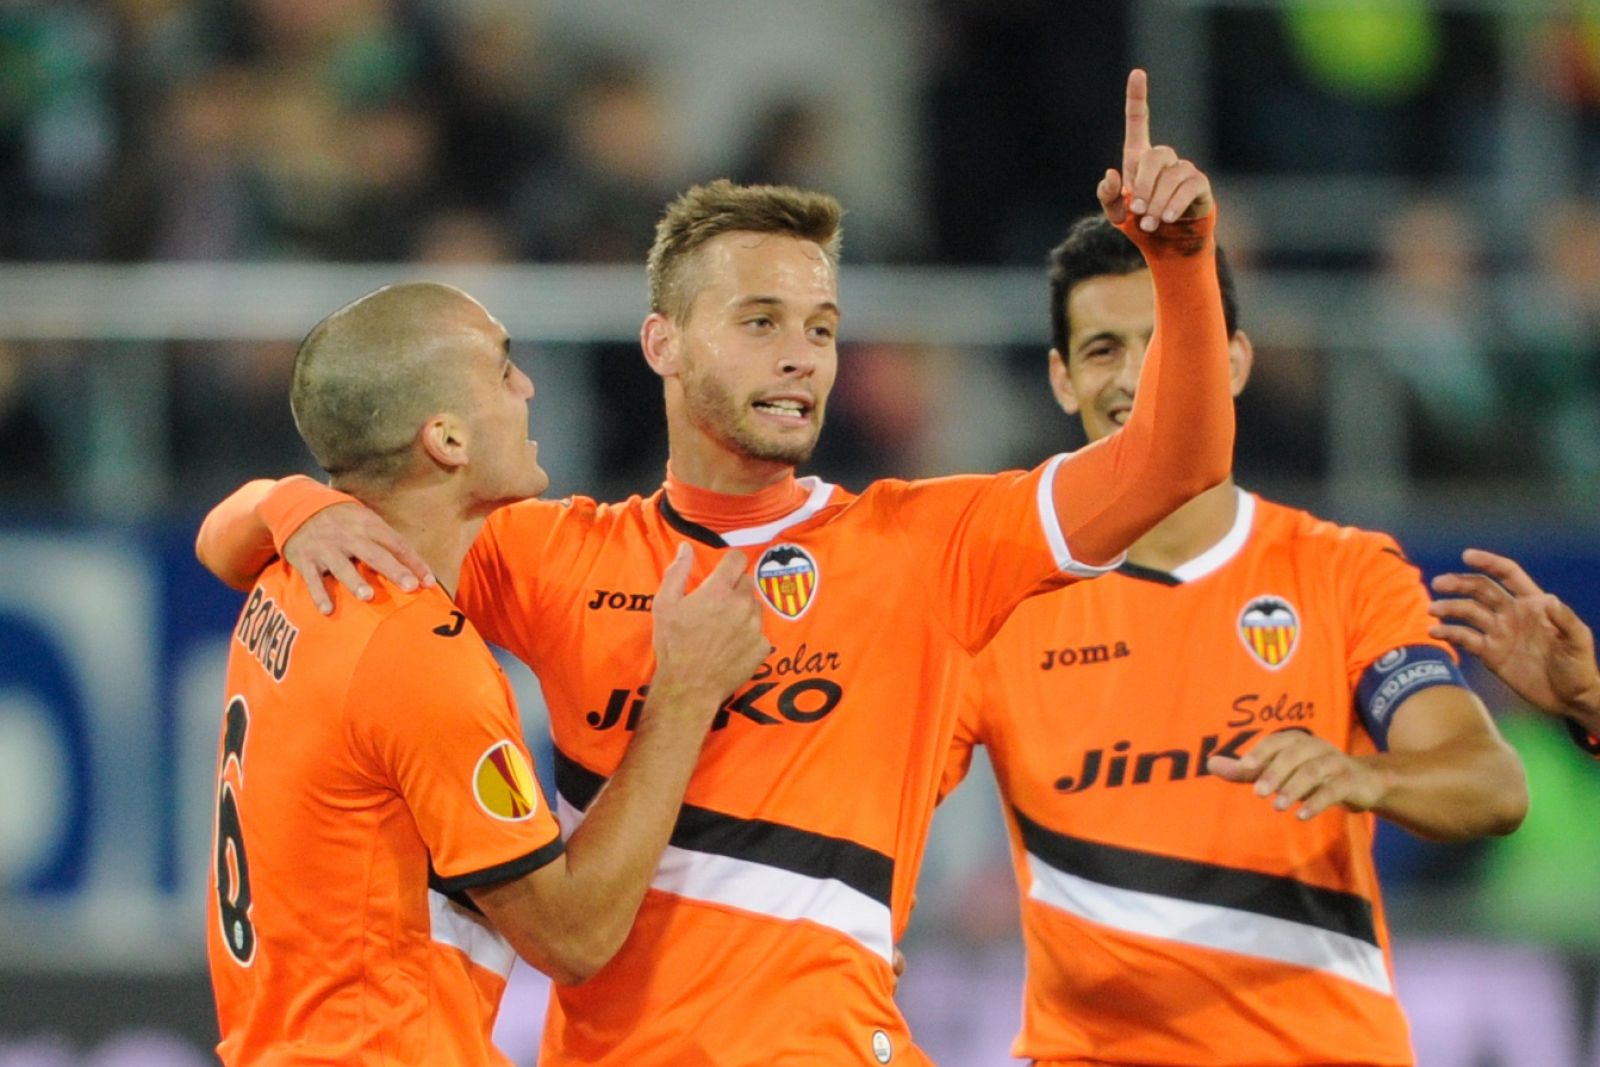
{"x":1395,"y":677}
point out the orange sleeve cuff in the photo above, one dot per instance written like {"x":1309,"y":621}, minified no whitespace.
{"x":292,"y":501}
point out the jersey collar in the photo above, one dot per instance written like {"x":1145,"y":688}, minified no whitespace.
{"x":1212,"y":559}
{"x":1215,"y":557}
{"x":741,"y":519}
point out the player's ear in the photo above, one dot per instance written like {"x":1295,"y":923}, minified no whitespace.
{"x":660,"y":341}
{"x":1061,"y":384}
{"x":444,"y":439}
{"x":1241,"y":357}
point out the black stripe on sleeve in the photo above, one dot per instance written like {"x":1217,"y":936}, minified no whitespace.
{"x":1271,"y":895}
{"x":455,"y":887}
{"x":772,"y":844}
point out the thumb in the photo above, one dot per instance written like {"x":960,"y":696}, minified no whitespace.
{"x":1231,"y":769}
{"x":676,"y":577}
{"x":1111,"y":200}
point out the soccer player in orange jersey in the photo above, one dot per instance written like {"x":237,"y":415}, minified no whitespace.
{"x":1191,"y":751}
{"x":382,"y":849}
{"x":768,"y":935}
{"x":1531,"y":640}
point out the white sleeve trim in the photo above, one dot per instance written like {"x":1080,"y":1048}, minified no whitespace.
{"x":1053,"y":534}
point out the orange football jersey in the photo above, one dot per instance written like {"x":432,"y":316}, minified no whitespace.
{"x":768,"y":933}
{"x":371,"y":770}
{"x":1170,"y":917}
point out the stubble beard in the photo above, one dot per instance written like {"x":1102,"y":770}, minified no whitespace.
{"x":712,"y":408}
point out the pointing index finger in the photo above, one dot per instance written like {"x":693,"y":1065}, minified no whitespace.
{"x":1136,"y":123}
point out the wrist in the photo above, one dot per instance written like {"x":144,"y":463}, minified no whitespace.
{"x":682,"y":696}
{"x":292,"y":501}
{"x":1585,"y":710}
{"x":1383,"y":781}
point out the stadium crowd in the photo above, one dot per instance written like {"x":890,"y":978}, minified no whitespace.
{"x":490,"y":132}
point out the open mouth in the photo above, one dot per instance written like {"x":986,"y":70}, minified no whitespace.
{"x":789,"y":408}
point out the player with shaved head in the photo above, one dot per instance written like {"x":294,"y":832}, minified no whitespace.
{"x":382,"y":848}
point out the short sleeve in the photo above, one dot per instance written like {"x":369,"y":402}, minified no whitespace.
{"x":1387,"y":603}
{"x":984,"y":543}
{"x":431,"y":714}
{"x":1391,"y":656}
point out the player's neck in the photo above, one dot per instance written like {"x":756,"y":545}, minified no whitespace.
{"x":733,"y":511}
{"x":701,"y":462}
{"x":1189,"y":531}
{"x":435,"y":522}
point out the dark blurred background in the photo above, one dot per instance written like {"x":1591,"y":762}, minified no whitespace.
{"x":1408,"y":194}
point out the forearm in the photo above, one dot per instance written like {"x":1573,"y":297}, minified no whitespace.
{"x":246,"y":531}
{"x":613,"y":855}
{"x":234,"y":543}
{"x":1466,"y":787}
{"x":1178,"y":440}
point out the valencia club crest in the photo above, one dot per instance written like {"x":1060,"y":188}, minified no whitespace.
{"x":787,"y":577}
{"x":1269,"y":627}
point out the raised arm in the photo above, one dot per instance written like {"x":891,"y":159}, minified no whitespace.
{"x":570,"y":917}
{"x":1178,"y":440}
{"x":1532,"y":641}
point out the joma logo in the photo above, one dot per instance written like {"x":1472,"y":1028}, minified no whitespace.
{"x":619,"y":601}
{"x":1083,"y":655}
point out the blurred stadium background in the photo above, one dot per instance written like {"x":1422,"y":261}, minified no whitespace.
{"x":1409,"y":194}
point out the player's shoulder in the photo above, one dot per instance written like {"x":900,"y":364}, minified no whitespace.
{"x":953,"y":488}
{"x":1310,"y":533}
{"x":526,"y":517}
{"x":421,"y":622}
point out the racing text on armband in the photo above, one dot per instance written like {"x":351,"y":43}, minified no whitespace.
{"x":267,"y":634}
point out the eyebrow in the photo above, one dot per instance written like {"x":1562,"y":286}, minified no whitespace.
{"x":777,"y":302}
{"x":1103,"y":335}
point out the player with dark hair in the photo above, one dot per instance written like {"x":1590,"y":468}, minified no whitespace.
{"x":1191,"y":751}
{"x":1531,"y":640}
{"x":768,"y":935}
{"x":382,"y":850}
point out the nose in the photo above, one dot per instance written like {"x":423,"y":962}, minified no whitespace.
{"x":524,"y":383}
{"x":1128,"y":373}
{"x":798,"y":358}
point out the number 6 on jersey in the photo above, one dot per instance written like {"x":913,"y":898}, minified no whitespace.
{"x":233,"y":869}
